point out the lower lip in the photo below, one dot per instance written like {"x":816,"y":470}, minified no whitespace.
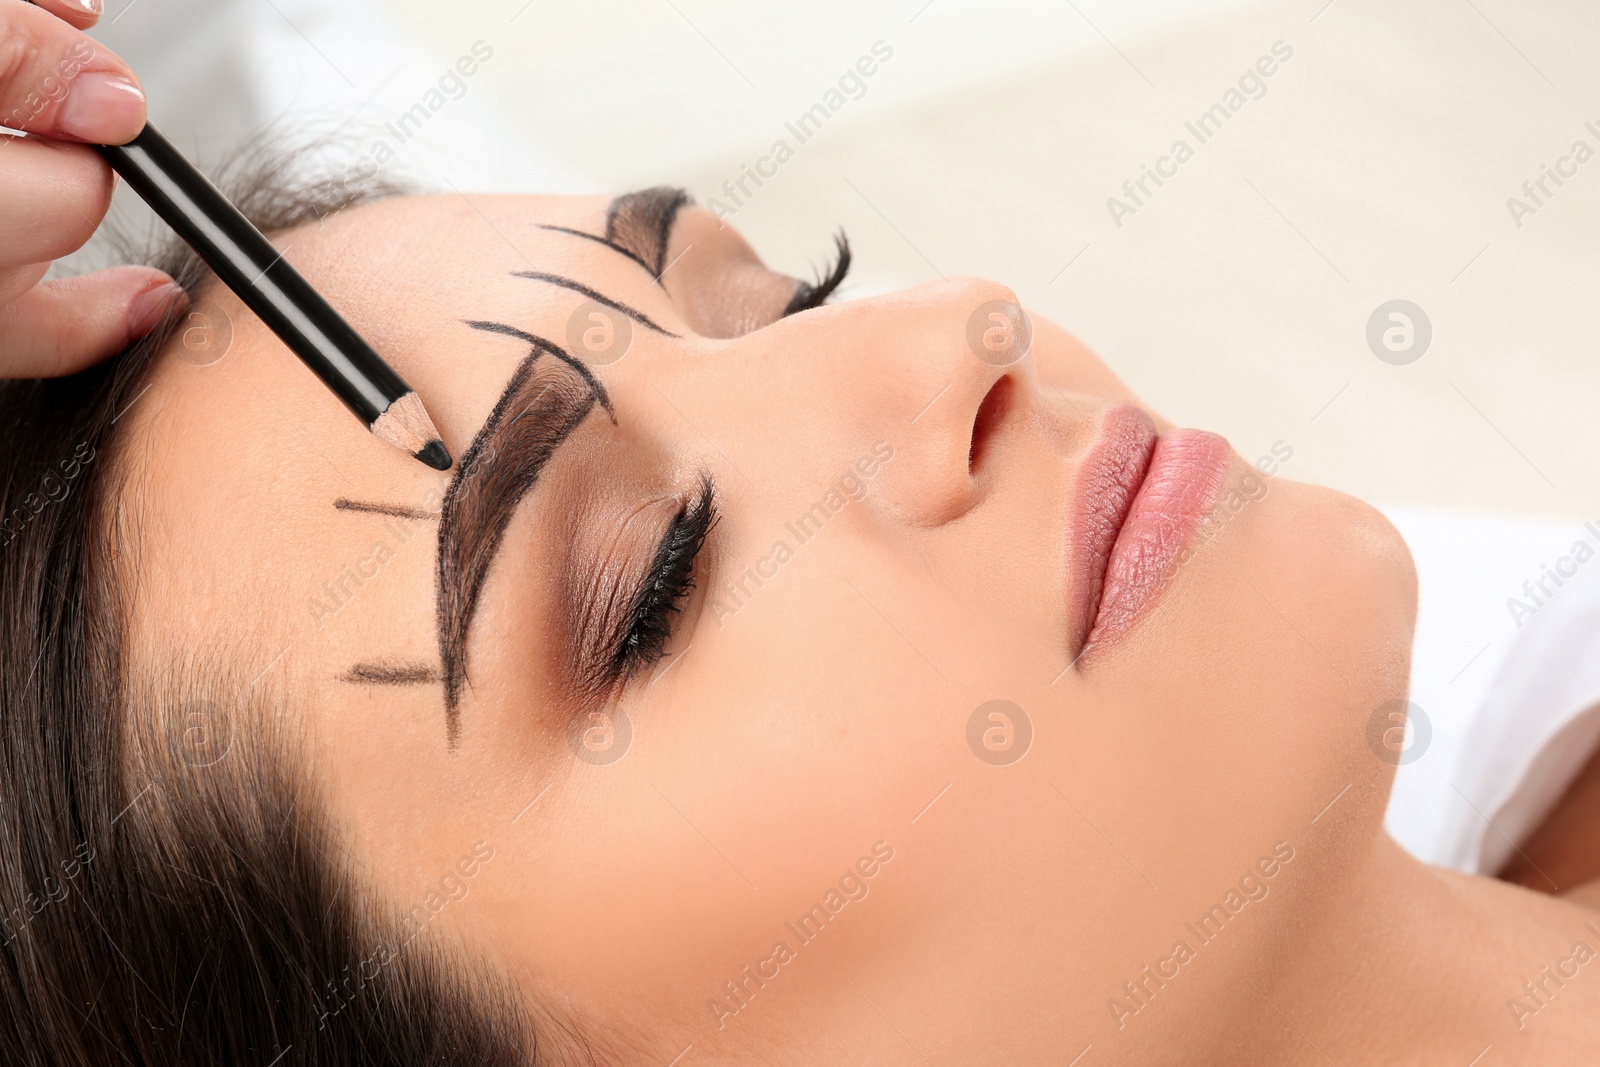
{"x":1178,"y":490}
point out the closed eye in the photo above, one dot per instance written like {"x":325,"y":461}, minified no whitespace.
{"x":814,"y":294}
{"x":642,"y":639}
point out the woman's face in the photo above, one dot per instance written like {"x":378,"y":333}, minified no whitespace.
{"x":786,"y":814}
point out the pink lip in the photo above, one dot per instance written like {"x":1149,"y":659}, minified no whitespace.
{"x":1139,"y":499}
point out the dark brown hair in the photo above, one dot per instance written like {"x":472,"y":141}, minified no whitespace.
{"x":171,"y":892}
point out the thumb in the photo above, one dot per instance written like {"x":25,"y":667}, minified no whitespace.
{"x":62,"y":326}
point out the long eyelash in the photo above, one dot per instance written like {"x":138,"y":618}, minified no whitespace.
{"x":814,"y":294}
{"x":668,"y":583}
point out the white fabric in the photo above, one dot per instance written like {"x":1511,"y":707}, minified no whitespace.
{"x":1512,"y":697}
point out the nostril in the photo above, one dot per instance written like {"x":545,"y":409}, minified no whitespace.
{"x":991,"y":413}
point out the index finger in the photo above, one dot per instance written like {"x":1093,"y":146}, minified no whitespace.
{"x":56,"y":82}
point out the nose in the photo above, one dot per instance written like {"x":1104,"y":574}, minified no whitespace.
{"x":927,"y":372}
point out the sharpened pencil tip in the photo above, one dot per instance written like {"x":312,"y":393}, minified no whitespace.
{"x":435,"y":455}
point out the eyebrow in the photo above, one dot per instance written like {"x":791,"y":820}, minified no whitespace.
{"x":544,"y":402}
{"x":598,"y":297}
{"x":544,"y":346}
{"x":638,"y":225}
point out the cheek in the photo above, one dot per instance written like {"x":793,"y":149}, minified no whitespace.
{"x":769,"y":759}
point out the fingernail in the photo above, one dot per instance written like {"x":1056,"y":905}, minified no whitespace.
{"x":102,"y":108}
{"x":148,"y":307}
{"x":92,"y":7}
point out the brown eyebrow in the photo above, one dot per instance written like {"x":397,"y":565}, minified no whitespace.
{"x":542,"y":404}
{"x":638,"y":225}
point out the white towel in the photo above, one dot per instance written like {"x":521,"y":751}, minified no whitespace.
{"x":1507,"y":674}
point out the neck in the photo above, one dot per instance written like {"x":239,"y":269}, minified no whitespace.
{"x":1408,"y":963}
{"x":1375,"y":959}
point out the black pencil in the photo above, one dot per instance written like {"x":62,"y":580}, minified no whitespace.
{"x":247,"y":263}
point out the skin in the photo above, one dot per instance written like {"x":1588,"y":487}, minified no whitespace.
{"x":776,"y":744}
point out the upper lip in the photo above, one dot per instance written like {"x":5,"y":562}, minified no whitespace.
{"x":1108,"y":481}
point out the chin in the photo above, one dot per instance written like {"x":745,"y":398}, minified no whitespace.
{"x":1309,"y":592}
{"x":1369,"y":578}
{"x":1352,"y":590}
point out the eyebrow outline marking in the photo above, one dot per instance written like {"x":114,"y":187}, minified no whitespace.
{"x":380,"y":673}
{"x":398,"y":511}
{"x":542,"y":346}
{"x":654,"y":209}
{"x":598,"y":239}
{"x":500,"y":467}
{"x":600,"y":298}
{"x":632,"y":219}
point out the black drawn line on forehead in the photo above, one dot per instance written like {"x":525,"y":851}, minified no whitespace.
{"x":638,"y":225}
{"x":578,"y":287}
{"x":387,"y":673}
{"x":398,"y":511}
{"x":541,"y":345}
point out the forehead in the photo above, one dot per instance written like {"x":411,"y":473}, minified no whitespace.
{"x":236,"y":453}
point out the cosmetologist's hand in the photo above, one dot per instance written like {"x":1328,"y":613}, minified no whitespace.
{"x":65,"y":91}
